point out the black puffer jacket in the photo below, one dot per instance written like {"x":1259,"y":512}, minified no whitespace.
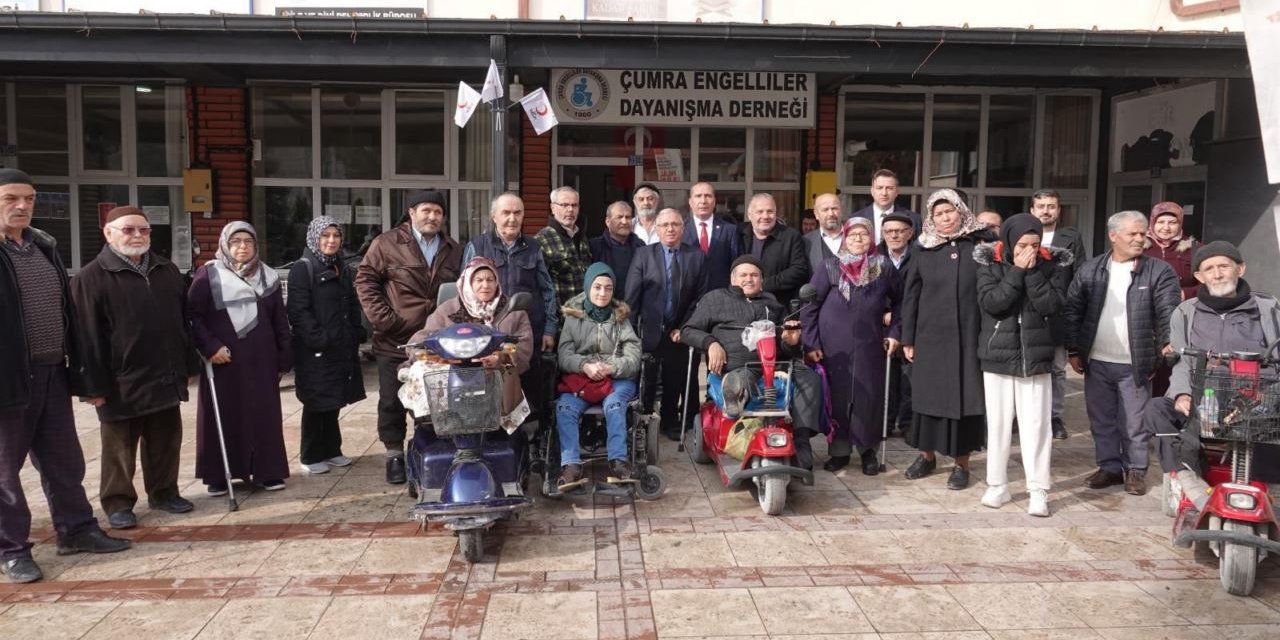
{"x":324,"y":315}
{"x":1017,"y":310}
{"x":721,"y":316}
{"x":1153,"y":295}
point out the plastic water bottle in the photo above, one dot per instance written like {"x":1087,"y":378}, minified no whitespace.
{"x":1208,"y":411}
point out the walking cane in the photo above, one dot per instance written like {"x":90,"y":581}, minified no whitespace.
{"x":884,"y":431}
{"x":222,"y":442}
{"x":684,"y":400}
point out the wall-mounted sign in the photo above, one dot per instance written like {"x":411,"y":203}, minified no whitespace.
{"x":701,"y":98}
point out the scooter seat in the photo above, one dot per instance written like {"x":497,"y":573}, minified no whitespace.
{"x":715,"y":391}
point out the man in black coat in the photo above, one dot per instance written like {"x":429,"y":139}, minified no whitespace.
{"x":824,"y":242}
{"x":40,"y":372}
{"x":1117,"y":321}
{"x":617,"y":246}
{"x":715,"y":236}
{"x":665,"y":282}
{"x":898,"y":231}
{"x":1046,"y":205}
{"x":779,"y":248}
{"x":138,"y":360}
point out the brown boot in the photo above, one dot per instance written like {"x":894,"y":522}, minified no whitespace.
{"x":570,"y":477}
{"x":1135,"y":482}
{"x":1101,"y":479}
{"x":619,"y":472}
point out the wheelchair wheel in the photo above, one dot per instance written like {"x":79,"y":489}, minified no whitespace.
{"x":652,"y":484}
{"x":650,"y":438}
{"x":696,"y":447}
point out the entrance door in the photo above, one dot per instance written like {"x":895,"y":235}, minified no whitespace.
{"x":1183,"y":185}
{"x":598,"y":186}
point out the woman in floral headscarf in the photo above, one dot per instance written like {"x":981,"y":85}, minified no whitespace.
{"x":238,"y":322}
{"x":325,"y":316}
{"x":940,"y":324}
{"x":844,"y":331}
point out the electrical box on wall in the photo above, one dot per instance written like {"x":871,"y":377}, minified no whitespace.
{"x":197,"y":190}
{"x":817,"y":183}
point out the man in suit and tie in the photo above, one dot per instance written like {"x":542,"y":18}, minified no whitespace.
{"x":664,"y":282}
{"x":824,"y":242}
{"x":884,"y":194}
{"x":716,"y":237}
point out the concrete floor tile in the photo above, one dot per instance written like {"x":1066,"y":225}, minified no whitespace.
{"x":548,"y":553}
{"x":230,"y":559}
{"x":799,"y":610}
{"x":705,"y":612}
{"x":677,"y":505}
{"x":1012,"y":606}
{"x":313,"y":557}
{"x":862,"y":547}
{"x":406,"y":555}
{"x":772,"y":549}
{"x":1244,"y":631}
{"x":1158,"y":633}
{"x":387,"y":617}
{"x":150,"y":620}
{"x":143,"y":560}
{"x":43,"y":621}
{"x":1111,"y":604}
{"x":1083,"y":633}
{"x":1204,"y":602}
{"x":1121,"y":543}
{"x":541,"y":616}
{"x":686,"y":551}
{"x":912,"y":609}
{"x":265,"y":619}
{"x":825,"y":503}
{"x":908,"y":500}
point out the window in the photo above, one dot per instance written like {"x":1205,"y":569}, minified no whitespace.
{"x":283,"y":129}
{"x":954,"y":160}
{"x":777,"y":155}
{"x":420,"y":132}
{"x":101,"y":136}
{"x":43,"y":149}
{"x":350,"y":134}
{"x":722,"y":155}
{"x":883,"y":132}
{"x":666,"y":154}
{"x":1010,"y":141}
{"x":1067,"y":132}
{"x":291,"y":212}
{"x":475,"y":147}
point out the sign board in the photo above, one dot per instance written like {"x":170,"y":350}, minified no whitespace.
{"x":341,"y":213}
{"x":366,"y":214}
{"x":157,"y":215}
{"x":689,"y":98}
{"x":381,"y":13}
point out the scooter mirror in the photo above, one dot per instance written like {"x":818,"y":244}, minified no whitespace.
{"x":808,"y":293}
{"x":519,"y":302}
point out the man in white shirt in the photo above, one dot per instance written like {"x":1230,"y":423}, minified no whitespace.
{"x":884,"y":194}
{"x":824,"y":242}
{"x":647,"y":202}
{"x":1117,"y":324}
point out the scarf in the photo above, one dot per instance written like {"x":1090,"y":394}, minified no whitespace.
{"x":477,"y":310}
{"x":1223,"y":305}
{"x":930,"y":237}
{"x":853,"y":268}
{"x":317,"y":227}
{"x":142,"y":266}
{"x":238,"y":287}
{"x":1160,"y":210}
{"x":1012,"y":231}
{"x":596,"y":270}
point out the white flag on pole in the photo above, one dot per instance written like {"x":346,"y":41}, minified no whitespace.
{"x":468,"y":100}
{"x":492,"y":84}
{"x":538,"y":108}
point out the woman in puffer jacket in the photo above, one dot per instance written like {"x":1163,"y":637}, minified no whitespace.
{"x":597,"y":341}
{"x":1021,"y":284}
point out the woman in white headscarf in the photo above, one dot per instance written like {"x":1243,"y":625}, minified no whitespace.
{"x":239,"y":324}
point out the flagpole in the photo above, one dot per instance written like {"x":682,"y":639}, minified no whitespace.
{"x":498,"y":111}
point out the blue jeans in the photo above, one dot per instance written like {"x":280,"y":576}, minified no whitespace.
{"x":569,"y":417}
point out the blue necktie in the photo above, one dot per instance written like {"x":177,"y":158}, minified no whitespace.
{"x":668,"y":312}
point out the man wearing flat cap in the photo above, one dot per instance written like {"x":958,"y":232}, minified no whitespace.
{"x":40,"y":372}
{"x":397,"y":285}
{"x":137,"y":360}
{"x":1224,"y":315}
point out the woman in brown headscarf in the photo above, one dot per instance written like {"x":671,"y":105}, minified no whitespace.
{"x":1167,"y":241}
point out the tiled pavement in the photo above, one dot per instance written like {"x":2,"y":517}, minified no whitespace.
{"x":332,"y":556}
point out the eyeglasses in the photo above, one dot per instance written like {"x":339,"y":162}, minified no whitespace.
{"x":669,"y":225}
{"x":134,"y":231}
{"x":243,"y":242}
{"x":568,"y":205}
{"x":861,"y":235}
{"x":893,"y":232}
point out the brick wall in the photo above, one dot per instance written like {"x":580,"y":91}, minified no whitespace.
{"x":822,"y":140}
{"x":219,"y":139}
{"x":535,"y":177}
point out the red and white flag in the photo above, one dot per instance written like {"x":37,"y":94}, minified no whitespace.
{"x":538,"y":108}
{"x":468,"y":100}
{"x":492,"y":89}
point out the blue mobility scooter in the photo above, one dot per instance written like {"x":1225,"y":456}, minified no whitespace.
{"x":463,"y":468}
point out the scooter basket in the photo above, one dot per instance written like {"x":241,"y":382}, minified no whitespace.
{"x":1248,"y":408}
{"x":464,"y":399}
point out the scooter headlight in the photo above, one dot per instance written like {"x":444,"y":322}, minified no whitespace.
{"x":776,"y":440}
{"x":463,"y":348}
{"x":1242,"y":501}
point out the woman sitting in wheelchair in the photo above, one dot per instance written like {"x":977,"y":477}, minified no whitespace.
{"x":599,"y":359}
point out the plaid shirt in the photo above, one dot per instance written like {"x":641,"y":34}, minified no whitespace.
{"x":567,"y":259}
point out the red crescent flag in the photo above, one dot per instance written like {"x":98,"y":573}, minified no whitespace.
{"x":468,"y":100}
{"x":538,"y":108}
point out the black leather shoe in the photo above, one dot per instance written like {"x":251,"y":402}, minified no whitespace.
{"x":395,"y":470}
{"x":959,"y":479}
{"x":1101,"y":479}
{"x":920,"y":468}
{"x":122,"y":519}
{"x":176,"y":504}
{"x":1059,"y":429}
{"x":870,"y":464}
{"x":836,"y":463}
{"x":21,"y":570}
{"x":94,"y":540}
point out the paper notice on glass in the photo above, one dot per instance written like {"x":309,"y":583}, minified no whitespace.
{"x":339,"y":212}
{"x":157,"y":214}
{"x":670,"y":165}
{"x":368,"y":215}
{"x":1262,"y":36}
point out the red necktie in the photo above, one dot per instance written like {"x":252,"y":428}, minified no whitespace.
{"x":703,"y":240}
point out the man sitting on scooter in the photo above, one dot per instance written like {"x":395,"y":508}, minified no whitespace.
{"x":716,"y":327}
{"x":1225,"y":316}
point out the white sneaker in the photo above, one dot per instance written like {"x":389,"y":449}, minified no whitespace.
{"x":996,"y":496}
{"x":1039,"y":503}
{"x":339,"y":461}
{"x":316,"y":468}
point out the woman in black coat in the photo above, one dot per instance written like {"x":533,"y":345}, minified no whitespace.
{"x":1021,"y":284}
{"x":325,"y":318}
{"x":940,"y":323}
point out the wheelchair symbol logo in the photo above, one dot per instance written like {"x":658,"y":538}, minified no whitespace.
{"x":582,"y":93}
